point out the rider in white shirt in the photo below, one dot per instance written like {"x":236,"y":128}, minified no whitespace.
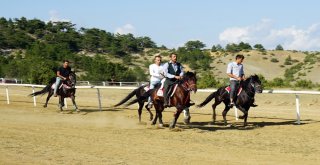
{"x":156,"y":73}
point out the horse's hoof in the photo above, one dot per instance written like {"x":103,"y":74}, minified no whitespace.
{"x":160,"y":125}
{"x":241,"y":117}
{"x":171,"y":126}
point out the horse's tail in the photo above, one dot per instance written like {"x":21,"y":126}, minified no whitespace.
{"x":208,"y":99}
{"x":45,"y":90}
{"x":141,"y":98}
{"x":129,"y":96}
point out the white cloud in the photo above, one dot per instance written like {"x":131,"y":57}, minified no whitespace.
{"x":127,"y":28}
{"x":54,"y":17}
{"x":265,"y":33}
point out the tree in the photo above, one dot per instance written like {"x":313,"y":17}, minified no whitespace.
{"x":279,"y":47}
{"x":192,"y":45}
{"x":259,"y":47}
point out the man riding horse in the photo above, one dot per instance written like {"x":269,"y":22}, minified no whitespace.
{"x":236,"y":74}
{"x":63,"y":73}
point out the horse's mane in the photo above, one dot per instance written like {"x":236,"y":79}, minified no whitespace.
{"x":189,"y":75}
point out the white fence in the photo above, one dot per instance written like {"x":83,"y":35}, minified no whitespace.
{"x":296,"y":93}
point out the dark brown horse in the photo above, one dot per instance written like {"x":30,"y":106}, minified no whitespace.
{"x":61,"y":92}
{"x":244,"y":100}
{"x":180,"y":98}
{"x":138,"y":93}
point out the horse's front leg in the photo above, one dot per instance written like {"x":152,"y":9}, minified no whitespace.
{"x":73,"y":98}
{"x":245,"y":115}
{"x":175,"y":117}
{"x":187,"y":116}
{"x":61,"y":103}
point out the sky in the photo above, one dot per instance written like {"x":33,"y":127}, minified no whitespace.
{"x":295,"y":24}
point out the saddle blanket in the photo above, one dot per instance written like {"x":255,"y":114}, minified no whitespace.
{"x":228,"y":89}
{"x":161,"y":90}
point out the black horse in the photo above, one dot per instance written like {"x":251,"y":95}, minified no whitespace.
{"x":62,"y":92}
{"x":138,"y":93}
{"x":243,"y":102}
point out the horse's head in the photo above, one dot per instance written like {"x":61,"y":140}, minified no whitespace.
{"x":190,"y":81}
{"x":255,"y":83}
{"x":72,"y":79}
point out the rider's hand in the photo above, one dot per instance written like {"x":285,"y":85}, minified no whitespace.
{"x":178,"y":77}
{"x":64,"y":78}
{"x":239,"y":78}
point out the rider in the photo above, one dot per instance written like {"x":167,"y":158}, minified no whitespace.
{"x":156,"y":73}
{"x":236,"y":74}
{"x":62,"y":74}
{"x":173,"y":71}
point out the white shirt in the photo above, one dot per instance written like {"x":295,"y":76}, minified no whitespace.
{"x":235,"y":69}
{"x":155,"y":72}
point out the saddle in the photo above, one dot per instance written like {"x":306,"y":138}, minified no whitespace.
{"x":228,"y":89}
{"x":63,"y":85}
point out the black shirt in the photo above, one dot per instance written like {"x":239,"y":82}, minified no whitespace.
{"x":64,"y":71}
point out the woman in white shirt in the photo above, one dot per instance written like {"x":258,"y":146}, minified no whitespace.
{"x":156,"y":73}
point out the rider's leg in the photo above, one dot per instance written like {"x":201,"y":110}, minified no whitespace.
{"x":165,"y":93}
{"x":233,"y":89}
{"x":152,"y":85}
{"x":58,"y":80}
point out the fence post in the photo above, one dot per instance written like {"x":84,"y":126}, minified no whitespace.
{"x":34,"y":98}
{"x":7,"y":91}
{"x":120,"y":83}
{"x":99,"y":99}
{"x":236,"y":112}
{"x":298,"y":108}
{"x":65,"y":103}
{"x":104,"y":83}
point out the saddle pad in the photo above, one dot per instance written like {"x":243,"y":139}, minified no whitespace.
{"x":228,"y":89}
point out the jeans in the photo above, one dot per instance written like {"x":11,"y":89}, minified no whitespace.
{"x":58,"y":80}
{"x":234,"y":86}
{"x":152,"y":85}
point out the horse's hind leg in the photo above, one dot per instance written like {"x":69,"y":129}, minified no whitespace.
{"x":214,"y":116}
{"x":141,"y":103}
{"x":224,"y":113}
{"x":48,"y":98}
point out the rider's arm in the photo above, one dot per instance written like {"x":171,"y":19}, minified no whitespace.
{"x":59,"y":75}
{"x":182,"y":72}
{"x":152,"y":72}
{"x":229,"y":72}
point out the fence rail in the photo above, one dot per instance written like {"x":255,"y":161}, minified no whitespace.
{"x":33,"y":86}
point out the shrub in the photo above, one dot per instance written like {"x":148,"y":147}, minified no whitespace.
{"x":304,"y":84}
{"x":274,"y":60}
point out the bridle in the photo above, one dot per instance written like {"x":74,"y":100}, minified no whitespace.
{"x":186,"y":86}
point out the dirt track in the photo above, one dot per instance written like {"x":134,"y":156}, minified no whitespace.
{"x":34,"y":135}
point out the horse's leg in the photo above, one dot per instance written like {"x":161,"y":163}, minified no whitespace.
{"x":156,"y":117}
{"x":175,"y":118}
{"x":214,"y":105}
{"x":160,"y":115}
{"x":73,"y":98}
{"x":48,"y":98}
{"x":151,"y":115}
{"x":61,"y":103}
{"x":141,"y":103}
{"x":187,"y":116}
{"x":224,"y":112}
{"x":245,"y":114}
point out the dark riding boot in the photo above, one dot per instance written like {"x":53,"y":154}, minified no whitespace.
{"x":253,"y":104}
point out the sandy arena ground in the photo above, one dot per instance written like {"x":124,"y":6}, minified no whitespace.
{"x":35,"y":135}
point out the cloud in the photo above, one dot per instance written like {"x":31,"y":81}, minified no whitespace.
{"x":265,"y":33}
{"x":54,"y":17}
{"x":127,"y":28}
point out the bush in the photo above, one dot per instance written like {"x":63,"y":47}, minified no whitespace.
{"x":304,"y":84}
{"x":274,"y":60}
{"x":207,"y":81}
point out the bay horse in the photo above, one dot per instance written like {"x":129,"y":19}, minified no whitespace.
{"x":61,"y":92}
{"x":138,"y":93}
{"x":243,"y":101}
{"x":180,"y":98}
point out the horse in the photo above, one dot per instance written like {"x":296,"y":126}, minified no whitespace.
{"x":244,"y":100}
{"x":138,"y":93}
{"x":61,"y":92}
{"x":180,"y":98}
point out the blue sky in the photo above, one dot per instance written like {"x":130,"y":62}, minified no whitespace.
{"x":295,"y":24}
